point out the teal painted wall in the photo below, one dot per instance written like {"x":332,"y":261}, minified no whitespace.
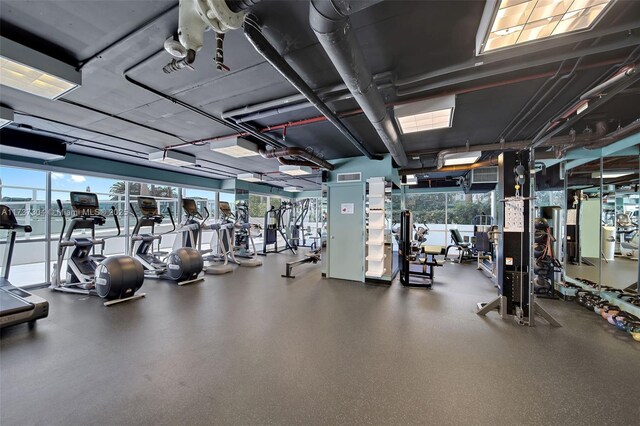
{"x":368,"y":168}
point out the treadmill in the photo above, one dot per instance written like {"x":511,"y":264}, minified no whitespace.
{"x":16,"y":305}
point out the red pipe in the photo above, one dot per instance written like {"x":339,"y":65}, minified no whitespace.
{"x":321,"y":118}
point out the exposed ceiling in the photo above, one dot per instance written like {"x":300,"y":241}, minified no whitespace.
{"x":403,"y":38}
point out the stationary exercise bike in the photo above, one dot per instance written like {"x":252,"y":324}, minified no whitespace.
{"x":182,"y":265}
{"x":16,"y":305}
{"x":115,"y":278}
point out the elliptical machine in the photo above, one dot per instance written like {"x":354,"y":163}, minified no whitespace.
{"x":196,"y":223}
{"x":182,"y":265}
{"x":116,"y":278}
{"x":238,"y":240}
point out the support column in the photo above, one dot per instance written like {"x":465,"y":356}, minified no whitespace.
{"x":47,"y":228}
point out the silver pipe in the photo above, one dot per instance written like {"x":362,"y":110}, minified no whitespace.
{"x":613,"y":80}
{"x":332,"y":26}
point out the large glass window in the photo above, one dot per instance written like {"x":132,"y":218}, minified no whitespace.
{"x":429,"y":211}
{"x":23,"y":191}
{"x":463,"y":208}
{"x":258,"y":206}
{"x":61,"y":186}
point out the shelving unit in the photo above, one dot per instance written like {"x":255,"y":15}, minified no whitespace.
{"x":375,"y":228}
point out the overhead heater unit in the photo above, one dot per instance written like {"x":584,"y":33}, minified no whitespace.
{"x":484,"y":175}
{"x":173,"y":158}
{"x":250,"y":177}
{"x":6,"y":116}
{"x":235,"y":147}
{"x":294,"y":170}
{"x":32,"y":145}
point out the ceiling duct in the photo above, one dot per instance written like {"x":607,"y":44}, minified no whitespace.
{"x":310,"y":159}
{"x":30,"y":144}
{"x":330,"y":22}
{"x":253,"y":32}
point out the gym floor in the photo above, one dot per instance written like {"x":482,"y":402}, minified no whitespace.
{"x":254,"y":348}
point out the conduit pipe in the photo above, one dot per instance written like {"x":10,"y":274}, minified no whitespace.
{"x":303,"y":122}
{"x":461,"y":168}
{"x":313,"y":160}
{"x":622,"y":74}
{"x":332,"y":26}
{"x":601,"y":131}
{"x":598,"y":139}
{"x":253,"y":33}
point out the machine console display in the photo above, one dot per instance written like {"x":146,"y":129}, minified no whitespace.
{"x":225,"y":208}
{"x":85,"y":204}
{"x":190,"y":207}
{"x":148,"y":206}
{"x":7,"y":218}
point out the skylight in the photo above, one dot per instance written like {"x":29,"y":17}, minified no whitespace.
{"x":515,"y":22}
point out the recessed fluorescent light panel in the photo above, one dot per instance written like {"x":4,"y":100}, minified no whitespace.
{"x":235,"y":147}
{"x":295,"y":170}
{"x":424,"y":115}
{"x":411,"y":180}
{"x":610,"y":175}
{"x":292,"y":189}
{"x":6,"y":116}
{"x":583,"y":107}
{"x":33,"y":72}
{"x":173,"y":158}
{"x":462,"y":158}
{"x":508,"y":23}
{"x":250,"y":177}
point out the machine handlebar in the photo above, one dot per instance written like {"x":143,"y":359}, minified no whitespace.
{"x":173,"y":222}
{"x":115,"y":218}
{"x":64,"y":220}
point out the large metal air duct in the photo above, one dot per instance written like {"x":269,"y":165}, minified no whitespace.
{"x":330,"y":21}
{"x":253,"y":32}
{"x":310,"y":159}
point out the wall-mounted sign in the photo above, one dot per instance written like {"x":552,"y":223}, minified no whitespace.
{"x":346,"y":208}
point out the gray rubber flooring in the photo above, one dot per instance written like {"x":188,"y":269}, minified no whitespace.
{"x":620,"y":272}
{"x":255,"y":348}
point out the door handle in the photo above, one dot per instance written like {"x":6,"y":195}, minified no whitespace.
{"x":332,"y":237}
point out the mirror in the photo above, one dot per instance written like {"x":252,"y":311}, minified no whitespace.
{"x":602,"y":222}
{"x":583,"y":223}
{"x":619,"y":268}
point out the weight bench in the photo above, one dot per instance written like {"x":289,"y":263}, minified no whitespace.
{"x":311,"y":257}
{"x":463,"y":247}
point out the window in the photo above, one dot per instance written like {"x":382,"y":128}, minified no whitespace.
{"x":24,"y":192}
{"x":257,"y":208}
{"x":463,"y":208}
{"x":61,"y":186}
{"x":429,"y":211}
